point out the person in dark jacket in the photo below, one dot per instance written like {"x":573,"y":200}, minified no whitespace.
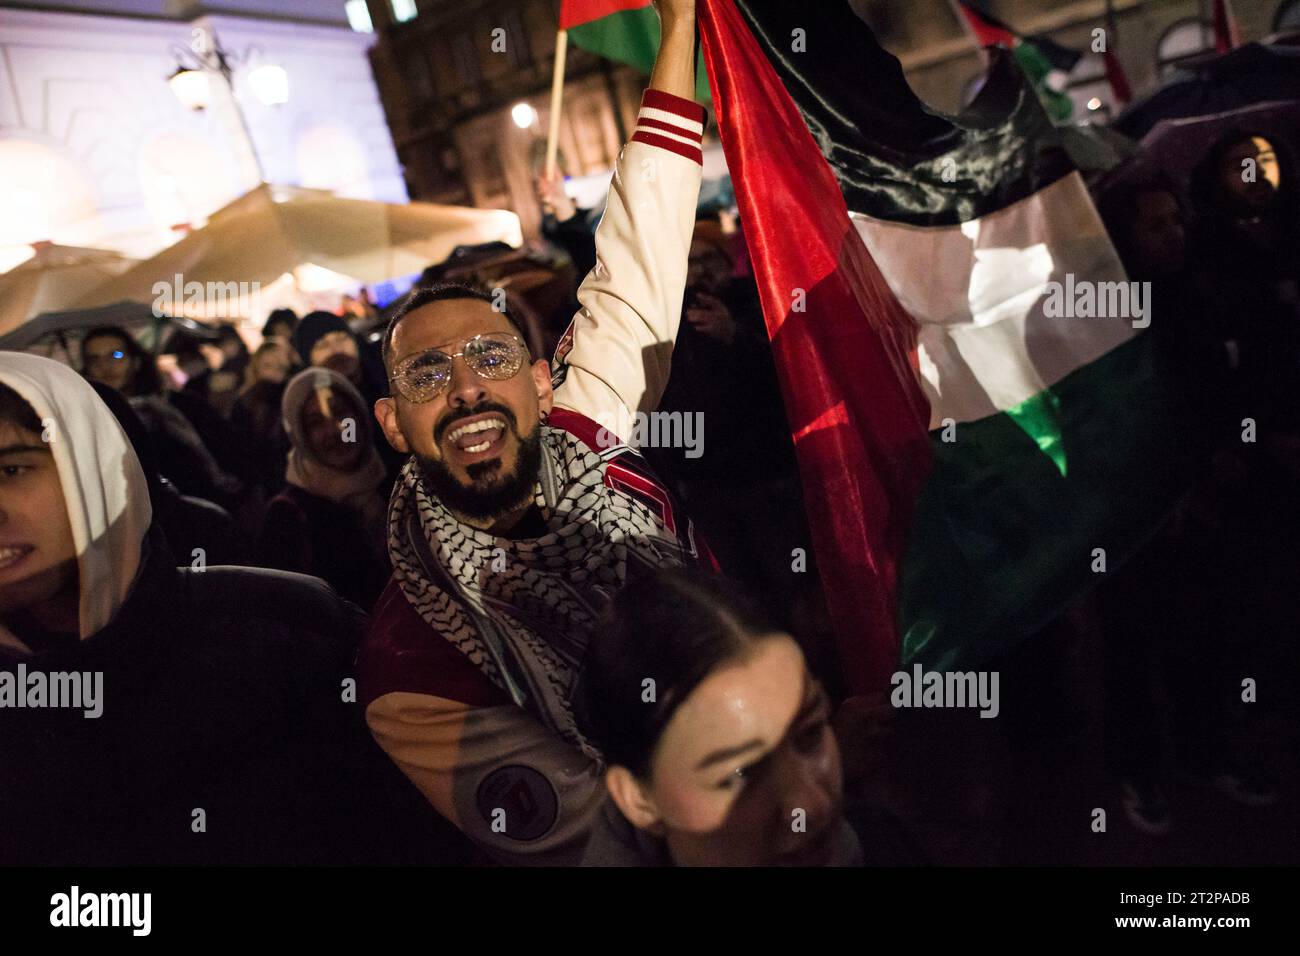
{"x":329,"y":520}
{"x":325,"y":340}
{"x":200,"y":532}
{"x":256,"y":417}
{"x":564,"y":224}
{"x":1246,"y":192}
{"x":724,"y":380}
{"x":194,"y":444}
{"x":718,"y":740}
{"x":150,"y":714}
{"x":280,"y":324}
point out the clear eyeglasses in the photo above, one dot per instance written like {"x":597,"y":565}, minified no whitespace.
{"x":424,"y":376}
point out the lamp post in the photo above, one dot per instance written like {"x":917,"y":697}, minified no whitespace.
{"x":204,"y":57}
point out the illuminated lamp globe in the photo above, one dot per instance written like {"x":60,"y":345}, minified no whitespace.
{"x":191,"y":88}
{"x":523,"y":115}
{"x":270,"y":84}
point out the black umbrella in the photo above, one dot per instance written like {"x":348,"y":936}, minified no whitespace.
{"x":127,"y":315}
{"x":1243,"y":77}
{"x":1178,"y":146}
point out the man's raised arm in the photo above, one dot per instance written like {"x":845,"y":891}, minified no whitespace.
{"x":615,"y":357}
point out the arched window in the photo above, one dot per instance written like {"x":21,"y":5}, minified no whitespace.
{"x":1288,"y":16}
{"x":1182,"y":41}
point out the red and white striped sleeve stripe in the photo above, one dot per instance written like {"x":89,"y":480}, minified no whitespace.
{"x":671,"y":123}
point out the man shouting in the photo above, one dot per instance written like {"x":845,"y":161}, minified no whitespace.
{"x":517,"y":517}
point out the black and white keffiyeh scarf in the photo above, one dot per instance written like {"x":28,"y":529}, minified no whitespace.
{"x":523,"y":611}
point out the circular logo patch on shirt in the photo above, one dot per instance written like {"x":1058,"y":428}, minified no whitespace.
{"x":519,"y":802}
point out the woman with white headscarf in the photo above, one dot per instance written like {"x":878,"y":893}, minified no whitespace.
{"x":72,"y":567}
{"x":149,"y":713}
{"x":330,"y":518}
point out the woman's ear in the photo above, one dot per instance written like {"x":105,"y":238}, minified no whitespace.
{"x":632,"y":799}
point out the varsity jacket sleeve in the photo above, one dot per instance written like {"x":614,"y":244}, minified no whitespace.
{"x":615,"y":356}
{"x":517,"y":790}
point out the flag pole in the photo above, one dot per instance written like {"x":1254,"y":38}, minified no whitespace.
{"x":1115,"y":74}
{"x":557,"y":100}
{"x":1226,"y":35}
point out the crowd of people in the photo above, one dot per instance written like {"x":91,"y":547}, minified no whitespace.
{"x":395,"y":598}
{"x":1202,"y":599}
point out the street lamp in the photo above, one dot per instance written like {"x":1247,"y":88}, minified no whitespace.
{"x":204,"y":57}
{"x":191,"y":88}
{"x":270,"y":84}
{"x":524,"y":115}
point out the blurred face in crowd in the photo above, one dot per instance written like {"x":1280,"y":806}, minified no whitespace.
{"x":707,"y":268}
{"x":359,"y":307}
{"x":38,"y":557}
{"x":338,"y":352}
{"x":213,"y":355}
{"x":279,"y":329}
{"x":271,"y":365}
{"x":232,"y":347}
{"x":479,"y":440}
{"x":1250,"y":175}
{"x":1159,"y":237}
{"x":748,"y":750}
{"x":330,"y":427}
{"x":107,"y":361}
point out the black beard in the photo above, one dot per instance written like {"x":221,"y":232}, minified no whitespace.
{"x":486,"y":500}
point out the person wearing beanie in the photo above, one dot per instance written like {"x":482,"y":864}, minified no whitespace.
{"x":324,"y":340}
{"x":280,"y":324}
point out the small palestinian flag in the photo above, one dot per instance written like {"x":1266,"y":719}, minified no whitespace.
{"x":626,"y":31}
{"x":978,"y":436}
{"x":1044,"y":61}
{"x":1227,"y":31}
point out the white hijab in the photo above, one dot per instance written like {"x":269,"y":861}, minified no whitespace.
{"x":103,"y":485}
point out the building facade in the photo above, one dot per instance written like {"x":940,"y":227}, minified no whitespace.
{"x":96,"y":150}
{"x":451,"y":78}
{"x":450,"y":73}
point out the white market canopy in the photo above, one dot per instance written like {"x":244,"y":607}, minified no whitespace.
{"x":54,"y":279}
{"x":274,"y":231}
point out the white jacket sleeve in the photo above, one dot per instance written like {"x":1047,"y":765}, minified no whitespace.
{"x":615,"y":357}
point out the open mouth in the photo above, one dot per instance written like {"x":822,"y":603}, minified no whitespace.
{"x":11,"y":555}
{"x":478,"y":438}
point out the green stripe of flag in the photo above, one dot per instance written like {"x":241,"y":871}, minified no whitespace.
{"x":631,"y":37}
{"x":1005,"y":532}
{"x":1038,"y":67}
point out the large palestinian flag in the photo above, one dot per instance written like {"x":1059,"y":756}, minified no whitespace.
{"x":626,"y":31}
{"x":973,"y":439}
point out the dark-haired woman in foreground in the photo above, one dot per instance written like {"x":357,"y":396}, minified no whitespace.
{"x":718,"y":740}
